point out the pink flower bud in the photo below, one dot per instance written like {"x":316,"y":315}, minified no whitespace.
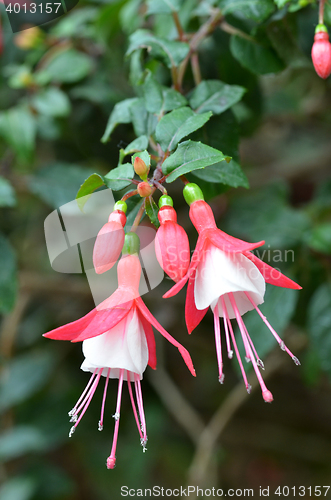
{"x":144,"y":189}
{"x":321,"y":54}
{"x":109,"y":242}
{"x":171,"y":245}
{"x":140,"y":167}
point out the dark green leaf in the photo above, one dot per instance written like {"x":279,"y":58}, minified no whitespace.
{"x":18,"y":128}
{"x":319,"y":324}
{"x":285,"y":45}
{"x":254,"y":56}
{"x":152,"y":211}
{"x":18,"y":488}
{"x":139,"y":117}
{"x":120,"y":177}
{"x":172,"y":53}
{"x":138,"y":144}
{"x":215,"y":96}
{"x":7,"y":193}
{"x":134,"y":203}
{"x":257,"y":10}
{"x":57,"y":183}
{"x":226,"y":173}
{"x":190,"y":156}
{"x":172,"y":100}
{"x":21,"y":440}
{"x":67,"y":67}
{"x":8,"y":276}
{"x":178,"y":124}
{"x":24,"y":376}
{"x":144,"y":155}
{"x":51,"y":102}
{"x":163,"y":6}
{"x":120,"y":114}
{"x":319,"y":238}
{"x":92,"y":183}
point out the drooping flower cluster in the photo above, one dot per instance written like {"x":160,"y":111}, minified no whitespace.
{"x":117,"y":336}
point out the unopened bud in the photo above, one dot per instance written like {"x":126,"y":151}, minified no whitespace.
{"x":321,"y":52}
{"x":144,"y":189}
{"x":140,"y":168}
{"x":29,"y":38}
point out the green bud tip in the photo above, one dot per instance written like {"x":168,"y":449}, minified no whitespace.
{"x":166,"y":201}
{"x":131,"y":244}
{"x":321,"y":27}
{"x":192,"y":193}
{"x":121,"y":205}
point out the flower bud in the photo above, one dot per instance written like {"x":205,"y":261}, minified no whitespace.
{"x":321,"y":52}
{"x":144,"y":189}
{"x":140,"y":168}
{"x":109,"y":241}
{"x":171,"y":244}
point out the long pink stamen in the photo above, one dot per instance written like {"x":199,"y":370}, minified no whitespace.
{"x":104,"y":401}
{"x":111,"y":460}
{"x":267,"y":396}
{"x":139,"y":397}
{"x":275,"y":334}
{"x":89,"y":399}
{"x":228,"y":322}
{"x":258,"y":359}
{"x":86,"y":398}
{"x":134,"y":406}
{"x":217,"y":329}
{"x":227,"y":336}
{"x":74,"y":410}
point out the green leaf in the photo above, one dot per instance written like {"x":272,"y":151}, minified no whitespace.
{"x":152,"y":211}
{"x":8,"y":276}
{"x":138,"y":144}
{"x":225,"y":173}
{"x":21,"y":440}
{"x":257,"y":58}
{"x":139,"y":117}
{"x":24,"y":376}
{"x":92,"y":183}
{"x":153,"y":94}
{"x":278,"y":307}
{"x":144,"y":155}
{"x":178,"y":124}
{"x":7,"y":193}
{"x":172,"y":53}
{"x":18,"y":128}
{"x":286,"y":46}
{"x":319,"y":238}
{"x":190,"y":156}
{"x":319,"y":324}
{"x":257,"y":10}
{"x":18,"y":488}
{"x":66,"y":67}
{"x":52,"y":102}
{"x":172,"y":99}
{"x":120,"y":114}
{"x":57,"y":183}
{"x":120,"y":177}
{"x":215,"y":96}
{"x":163,"y":6}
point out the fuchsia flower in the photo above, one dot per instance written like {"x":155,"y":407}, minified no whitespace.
{"x":225,"y":276}
{"x":118,"y":342}
{"x":172,"y":247}
{"x":321,"y":52}
{"x":109,"y":241}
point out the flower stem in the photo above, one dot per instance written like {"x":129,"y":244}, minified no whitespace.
{"x":321,"y":12}
{"x":129,"y":194}
{"x":196,"y":68}
{"x":180,"y":30}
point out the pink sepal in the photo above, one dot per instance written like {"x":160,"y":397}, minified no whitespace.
{"x":193,"y":316}
{"x":108,"y":246}
{"x":172,"y":250}
{"x":149,"y":317}
{"x":73,"y":329}
{"x":228,"y":243}
{"x":150,"y":340}
{"x":272,"y":275}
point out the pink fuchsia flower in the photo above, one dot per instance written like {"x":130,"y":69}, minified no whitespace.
{"x":225,"y":276}
{"x":110,"y":239}
{"x":172,"y":247}
{"x":118,"y":342}
{"x":321,"y":52}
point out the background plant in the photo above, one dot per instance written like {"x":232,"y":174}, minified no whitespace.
{"x":227,"y":77}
